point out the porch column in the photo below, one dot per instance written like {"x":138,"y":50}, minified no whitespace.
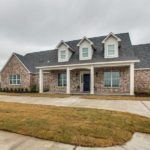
{"x":40,"y":81}
{"x":92,"y":80}
{"x":132,"y":79}
{"x":68,"y":80}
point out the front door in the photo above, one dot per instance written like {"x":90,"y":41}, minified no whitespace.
{"x":86,"y":82}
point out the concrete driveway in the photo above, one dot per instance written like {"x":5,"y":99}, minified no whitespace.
{"x":137,"y":107}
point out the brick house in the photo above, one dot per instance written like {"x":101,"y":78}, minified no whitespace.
{"x":100,"y":65}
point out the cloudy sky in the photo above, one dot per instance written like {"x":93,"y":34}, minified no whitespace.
{"x":35,"y":25}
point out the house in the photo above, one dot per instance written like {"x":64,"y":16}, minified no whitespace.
{"x":99,"y":65}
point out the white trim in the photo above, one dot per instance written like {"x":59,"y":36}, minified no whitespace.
{"x":85,"y":38}
{"x":115,"y":55}
{"x":132,"y":79}
{"x":111,"y":34}
{"x":62,"y":42}
{"x":68,"y":80}
{"x":40,"y":81}
{"x":87,"y":64}
{"x":142,"y":69}
{"x":13,"y":54}
{"x":92,"y":80}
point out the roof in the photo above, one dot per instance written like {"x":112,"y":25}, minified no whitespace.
{"x":143,"y":53}
{"x":50,"y":57}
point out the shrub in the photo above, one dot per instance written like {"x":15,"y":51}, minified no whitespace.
{"x":21,"y":90}
{"x":26,"y":90}
{"x":45,"y":90}
{"x":33,"y":89}
{"x":4,"y":89}
{"x":142,"y":92}
{"x":15,"y":90}
{"x":11,"y":90}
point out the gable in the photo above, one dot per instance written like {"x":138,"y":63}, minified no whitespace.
{"x":111,"y":41}
{"x":13,"y":62}
{"x":67,"y":53}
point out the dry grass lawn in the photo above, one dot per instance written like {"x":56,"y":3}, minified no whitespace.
{"x":36,"y":95}
{"x":99,"y":97}
{"x":77,"y":126}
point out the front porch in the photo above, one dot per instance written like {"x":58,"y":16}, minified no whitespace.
{"x":93,"y":79}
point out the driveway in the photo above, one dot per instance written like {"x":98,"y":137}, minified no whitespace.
{"x":136,"y":107}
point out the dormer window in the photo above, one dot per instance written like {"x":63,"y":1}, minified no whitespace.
{"x":111,"y":50}
{"x":85,"y":49}
{"x":111,"y":44}
{"x":63,"y":54}
{"x":85,"y":52}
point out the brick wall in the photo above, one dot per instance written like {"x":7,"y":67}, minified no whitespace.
{"x":53,"y":82}
{"x":124,"y":81}
{"x":142,"y":80}
{"x":14,"y":67}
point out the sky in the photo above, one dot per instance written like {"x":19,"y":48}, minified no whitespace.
{"x":35,"y":25}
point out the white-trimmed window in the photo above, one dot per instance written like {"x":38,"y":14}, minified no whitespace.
{"x":111,"y":50}
{"x":61,"y":79}
{"x":85,"y":52}
{"x":112,"y":79}
{"x":63,"y":54}
{"x":15,"y":79}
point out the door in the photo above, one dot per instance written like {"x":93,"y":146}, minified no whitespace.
{"x":86,"y":82}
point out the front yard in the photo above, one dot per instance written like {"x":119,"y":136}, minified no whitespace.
{"x":98,"y":97}
{"x":113,"y":97}
{"x":77,"y":126}
{"x":36,"y":95}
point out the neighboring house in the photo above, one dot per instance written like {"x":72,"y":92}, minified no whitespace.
{"x":100,"y":65}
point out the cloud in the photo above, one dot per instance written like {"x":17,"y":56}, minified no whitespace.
{"x":27,"y":26}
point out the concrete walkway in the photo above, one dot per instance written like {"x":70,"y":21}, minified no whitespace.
{"x":136,"y":107}
{"x":11,"y":141}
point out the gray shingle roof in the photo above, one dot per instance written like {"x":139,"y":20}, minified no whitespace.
{"x":143,"y":53}
{"x":50,"y":58}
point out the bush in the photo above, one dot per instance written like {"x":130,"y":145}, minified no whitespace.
{"x":11,"y":90}
{"x":142,"y":92}
{"x":33,"y":89}
{"x":26,"y":90}
{"x":46,"y":89}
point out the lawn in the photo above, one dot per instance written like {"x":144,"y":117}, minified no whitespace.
{"x":113,"y":97}
{"x":36,"y":95}
{"x":98,"y":97}
{"x":77,"y":126}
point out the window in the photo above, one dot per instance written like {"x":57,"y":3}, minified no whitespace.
{"x":85,"y":52}
{"x":111,"y":50}
{"x":111,"y":79}
{"x":62,"y":79}
{"x":63,"y":54}
{"x":15,"y":79}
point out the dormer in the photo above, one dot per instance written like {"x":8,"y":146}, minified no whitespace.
{"x":85,"y":49}
{"x":64,"y":52}
{"x":111,"y":44}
